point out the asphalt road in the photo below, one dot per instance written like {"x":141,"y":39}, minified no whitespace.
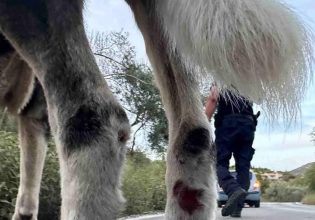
{"x":267,"y":211}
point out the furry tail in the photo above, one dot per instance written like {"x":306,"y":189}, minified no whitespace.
{"x":262,"y":48}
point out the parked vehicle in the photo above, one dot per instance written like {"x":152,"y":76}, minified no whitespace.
{"x":253,"y":196}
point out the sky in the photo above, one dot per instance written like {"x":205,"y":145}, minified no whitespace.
{"x":276,"y":148}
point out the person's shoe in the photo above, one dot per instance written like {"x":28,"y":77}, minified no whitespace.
{"x":236,"y":213}
{"x":231,"y":204}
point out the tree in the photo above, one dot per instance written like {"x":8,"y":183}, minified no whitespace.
{"x":287,"y":176}
{"x":310,"y":178}
{"x":131,"y":81}
{"x":264,"y":182}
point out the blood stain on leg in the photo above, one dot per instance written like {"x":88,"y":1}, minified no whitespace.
{"x":188,"y":198}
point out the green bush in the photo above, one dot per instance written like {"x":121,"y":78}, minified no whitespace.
{"x":309,"y":199}
{"x":310,"y":178}
{"x":7,"y":121}
{"x":143,"y":182}
{"x":9,"y":170}
{"x":299,"y":181}
{"x":283,"y":192}
{"x":264,"y":183}
{"x":144,"y":185}
{"x":9,"y":179}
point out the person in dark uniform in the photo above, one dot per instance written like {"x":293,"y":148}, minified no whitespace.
{"x":235,"y":125}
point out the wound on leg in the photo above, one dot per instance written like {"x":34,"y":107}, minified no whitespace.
{"x":188,"y":198}
{"x":197,"y":140}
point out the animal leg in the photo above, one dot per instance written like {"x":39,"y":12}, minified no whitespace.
{"x":33,"y":143}
{"x":89,"y":126}
{"x":190,"y":177}
{"x":24,"y":99}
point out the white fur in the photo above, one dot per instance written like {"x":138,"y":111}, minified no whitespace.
{"x":28,"y":96}
{"x":261,"y":47}
{"x":11,"y":65}
{"x":197,"y":176}
{"x":33,"y":151}
{"x":90,"y":180}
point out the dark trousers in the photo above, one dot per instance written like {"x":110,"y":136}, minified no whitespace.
{"x":234,"y":136}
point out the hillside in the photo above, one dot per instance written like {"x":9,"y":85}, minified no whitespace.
{"x":301,"y":170}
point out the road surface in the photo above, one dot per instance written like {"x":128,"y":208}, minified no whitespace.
{"x":267,"y":211}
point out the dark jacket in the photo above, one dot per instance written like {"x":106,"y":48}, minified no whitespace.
{"x":233,"y":105}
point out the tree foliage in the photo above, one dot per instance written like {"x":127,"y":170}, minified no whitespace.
{"x":260,"y":170}
{"x":287,"y":176}
{"x":264,"y":182}
{"x":281,"y":191}
{"x":132,"y":82}
{"x":310,"y":177}
{"x":144,"y":184}
{"x":9,"y":179}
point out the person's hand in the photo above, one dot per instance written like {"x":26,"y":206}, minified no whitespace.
{"x":212,"y":101}
{"x":214,"y":94}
